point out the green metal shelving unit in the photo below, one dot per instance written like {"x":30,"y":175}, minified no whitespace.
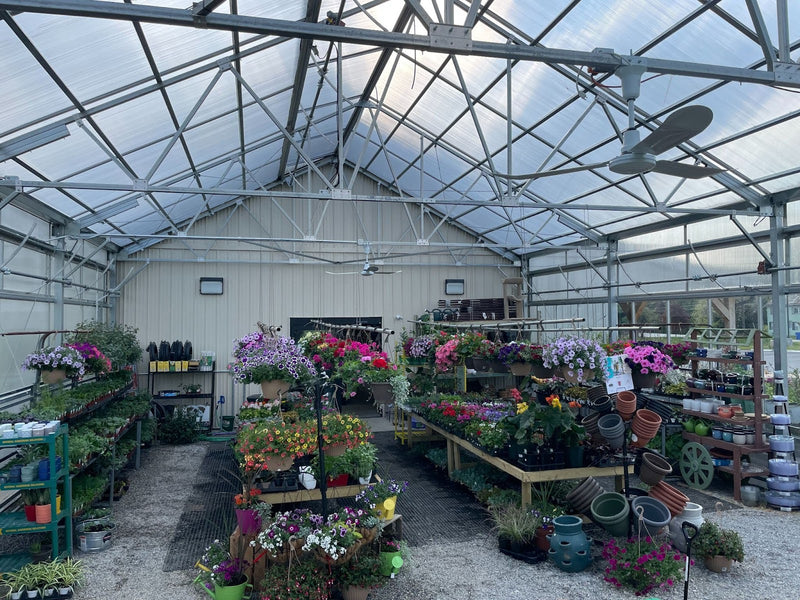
{"x":14,"y":523}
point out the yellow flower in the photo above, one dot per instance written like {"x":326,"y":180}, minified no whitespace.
{"x":522,"y":407}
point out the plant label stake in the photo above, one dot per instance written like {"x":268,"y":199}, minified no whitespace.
{"x":689,"y":533}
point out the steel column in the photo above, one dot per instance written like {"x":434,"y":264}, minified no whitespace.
{"x":780,"y":327}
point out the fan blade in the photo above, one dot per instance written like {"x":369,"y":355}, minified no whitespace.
{"x":681,"y":125}
{"x":667,"y":167}
{"x":556,"y":172}
{"x":345,"y":273}
{"x":387,"y":272}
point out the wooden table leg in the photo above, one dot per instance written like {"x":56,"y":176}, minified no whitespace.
{"x":526,"y":493}
{"x":450,"y":457}
{"x":456,"y":456}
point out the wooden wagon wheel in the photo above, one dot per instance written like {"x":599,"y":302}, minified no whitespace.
{"x":696,"y":466}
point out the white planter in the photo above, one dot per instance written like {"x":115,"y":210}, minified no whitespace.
{"x":365,"y":480}
{"x":307,"y":480}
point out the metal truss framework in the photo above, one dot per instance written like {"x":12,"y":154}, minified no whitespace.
{"x":453,"y":41}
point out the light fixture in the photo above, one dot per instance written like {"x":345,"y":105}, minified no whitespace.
{"x":211,"y":286}
{"x":109,"y":211}
{"x":453,"y":287}
{"x":31,"y":141}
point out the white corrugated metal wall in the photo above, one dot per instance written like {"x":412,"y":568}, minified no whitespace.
{"x":267,"y":282}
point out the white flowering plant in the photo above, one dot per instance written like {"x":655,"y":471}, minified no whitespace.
{"x":335,"y":537}
{"x":59,"y":357}
{"x":287,"y":527}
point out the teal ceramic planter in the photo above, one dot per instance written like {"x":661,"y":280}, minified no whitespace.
{"x":569,"y":546}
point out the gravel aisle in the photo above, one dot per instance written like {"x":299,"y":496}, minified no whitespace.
{"x":131,"y":569}
{"x":477,"y":571}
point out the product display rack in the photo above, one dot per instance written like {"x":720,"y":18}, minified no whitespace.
{"x":183,"y":398}
{"x":15,"y":523}
{"x":137,"y":422}
{"x":697,"y":466}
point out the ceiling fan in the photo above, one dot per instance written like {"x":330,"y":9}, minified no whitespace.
{"x":639,"y":156}
{"x":367,"y":270}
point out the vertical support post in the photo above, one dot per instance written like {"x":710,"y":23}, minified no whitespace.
{"x":58,"y":287}
{"x":339,"y":127}
{"x":783,"y":31}
{"x":780,"y":326}
{"x":669,"y":320}
{"x":611,"y":278}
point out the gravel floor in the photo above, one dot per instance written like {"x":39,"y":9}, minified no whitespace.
{"x":132,"y":568}
{"x":477,"y":571}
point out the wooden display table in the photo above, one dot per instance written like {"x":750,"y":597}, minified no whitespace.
{"x":304,"y":495}
{"x":526,"y":478}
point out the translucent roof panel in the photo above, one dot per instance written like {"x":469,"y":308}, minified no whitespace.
{"x":158,"y":104}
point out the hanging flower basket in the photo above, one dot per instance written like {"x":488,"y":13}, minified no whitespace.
{"x":274,"y":388}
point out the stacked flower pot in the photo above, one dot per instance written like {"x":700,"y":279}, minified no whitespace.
{"x":783,"y":483}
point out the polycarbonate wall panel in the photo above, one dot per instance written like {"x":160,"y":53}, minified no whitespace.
{"x":20,"y":316}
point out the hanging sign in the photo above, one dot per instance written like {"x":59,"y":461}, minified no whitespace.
{"x":618,"y":374}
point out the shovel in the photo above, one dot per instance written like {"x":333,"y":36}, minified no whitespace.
{"x":689,"y":533}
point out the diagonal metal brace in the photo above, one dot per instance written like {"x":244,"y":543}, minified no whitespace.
{"x":767,"y":260}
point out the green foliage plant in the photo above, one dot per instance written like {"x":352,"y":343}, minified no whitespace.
{"x":181,"y":428}
{"x":713,"y":540}
{"x":118,"y":342}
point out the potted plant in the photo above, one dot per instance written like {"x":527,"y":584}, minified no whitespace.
{"x":95,"y":534}
{"x":642,"y":565}
{"x":41,"y":549}
{"x":392,"y":554}
{"x":56,"y":363}
{"x":417,"y":350}
{"x":382,"y":496}
{"x":335,"y":541}
{"x":359,"y":576}
{"x":286,"y":533}
{"x":340,"y":432}
{"x":718,"y":547}
{"x":43,"y":506}
{"x":578,"y":359}
{"x":646,"y":360}
{"x":337,"y":469}
{"x":361,"y":461}
{"x":305,"y":580}
{"x":223,"y":573}
{"x":515,"y":527}
{"x":96,"y":361}
{"x":276,"y":361}
{"x":272,"y":445}
{"x":68,"y":576}
{"x":117,"y":342}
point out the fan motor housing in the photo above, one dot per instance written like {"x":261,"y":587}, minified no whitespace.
{"x":632,"y":164}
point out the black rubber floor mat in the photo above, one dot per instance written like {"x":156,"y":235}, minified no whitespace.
{"x":208,"y":513}
{"x":433,"y":508}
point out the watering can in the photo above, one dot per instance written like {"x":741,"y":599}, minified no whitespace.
{"x":224,"y":592}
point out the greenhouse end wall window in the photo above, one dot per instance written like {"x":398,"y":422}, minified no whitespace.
{"x":211,"y":286}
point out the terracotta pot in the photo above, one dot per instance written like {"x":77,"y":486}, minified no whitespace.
{"x":540,"y":539}
{"x":672,"y":497}
{"x":626,"y":404}
{"x":718,"y":564}
{"x":645,"y":425}
{"x":274,"y":388}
